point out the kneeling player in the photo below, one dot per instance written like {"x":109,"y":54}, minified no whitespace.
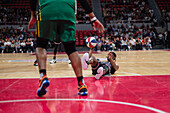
{"x":99,"y":68}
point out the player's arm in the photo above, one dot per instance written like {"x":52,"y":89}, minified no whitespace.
{"x":33,"y":4}
{"x":95,"y":22}
{"x":91,"y":52}
{"x":114,"y":65}
{"x":113,"y":62}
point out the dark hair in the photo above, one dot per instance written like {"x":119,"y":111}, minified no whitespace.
{"x":114,"y":54}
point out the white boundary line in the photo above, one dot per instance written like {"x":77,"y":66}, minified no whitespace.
{"x":90,"y":100}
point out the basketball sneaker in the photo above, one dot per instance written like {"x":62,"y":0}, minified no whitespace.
{"x":53,"y":61}
{"x":82,"y":90}
{"x":36,"y":63}
{"x":85,"y":60}
{"x":43,"y":84}
{"x":69,"y":62}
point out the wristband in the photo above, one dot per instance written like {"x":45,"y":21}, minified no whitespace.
{"x":93,"y":19}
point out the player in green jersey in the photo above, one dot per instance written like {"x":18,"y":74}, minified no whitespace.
{"x":56,"y":19}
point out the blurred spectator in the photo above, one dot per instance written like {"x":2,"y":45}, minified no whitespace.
{"x":23,"y":46}
{"x":136,"y":10}
{"x":29,"y":45}
{"x":124,"y":44}
{"x":2,"y":46}
{"x":148,"y":43}
{"x":132,"y":43}
{"x":99,"y":44}
{"x":144,"y":43}
{"x":138,"y":44}
{"x":118,"y":44}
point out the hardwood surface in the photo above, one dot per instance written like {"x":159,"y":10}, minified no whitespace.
{"x":131,"y":63}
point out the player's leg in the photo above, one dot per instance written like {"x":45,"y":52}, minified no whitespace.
{"x":36,"y":63}
{"x":44,"y":30}
{"x":101,"y":71}
{"x":77,"y":66}
{"x":86,"y":60}
{"x":68,"y":38}
{"x":41,"y":56}
{"x":54,"y":55}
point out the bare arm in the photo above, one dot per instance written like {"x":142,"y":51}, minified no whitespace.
{"x":32,"y":21}
{"x":95,"y":22}
{"x":113,"y":63}
{"x":91,"y":52}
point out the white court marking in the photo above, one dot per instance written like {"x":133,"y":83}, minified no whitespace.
{"x":90,"y":100}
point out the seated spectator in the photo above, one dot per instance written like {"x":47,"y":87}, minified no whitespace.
{"x":7,"y":45}
{"x":103,"y":44}
{"x":124,"y":44}
{"x":21,"y":37}
{"x":29,"y":45}
{"x":148,"y":43}
{"x":144,"y":43}
{"x":107,"y":44}
{"x":13,"y":49}
{"x":17,"y":46}
{"x":128,"y":44}
{"x":2,"y":46}
{"x":99,"y":44}
{"x":112,"y":46}
{"x":23,"y":44}
{"x":138,"y":44}
{"x":132,"y":43}
{"x":118,"y":44}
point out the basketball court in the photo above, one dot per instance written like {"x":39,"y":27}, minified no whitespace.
{"x":141,"y":85}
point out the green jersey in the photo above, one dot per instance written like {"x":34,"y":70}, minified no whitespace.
{"x":57,"y":10}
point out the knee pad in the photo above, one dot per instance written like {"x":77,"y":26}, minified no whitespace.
{"x":41,"y":42}
{"x":69,"y":47}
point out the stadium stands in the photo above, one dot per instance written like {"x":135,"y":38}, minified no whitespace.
{"x":17,"y":12}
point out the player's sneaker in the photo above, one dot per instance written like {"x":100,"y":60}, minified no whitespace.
{"x":35,"y":63}
{"x":85,"y":60}
{"x":69,"y":61}
{"x":82,"y":90}
{"x":53,"y":61}
{"x":43,"y":84}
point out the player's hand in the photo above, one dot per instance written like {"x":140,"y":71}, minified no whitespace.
{"x":110,"y":56}
{"x":97,"y":25}
{"x":32,"y":20}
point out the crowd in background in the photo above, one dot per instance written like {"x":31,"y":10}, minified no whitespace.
{"x":138,"y":11}
{"x":123,"y":37}
{"x":14,"y":16}
{"x":129,"y":37}
{"x":17,"y":40}
{"x":166,"y":15}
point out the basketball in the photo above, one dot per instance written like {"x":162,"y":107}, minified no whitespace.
{"x":91,"y":42}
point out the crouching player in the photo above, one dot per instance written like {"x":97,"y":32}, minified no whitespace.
{"x":100,"y":68}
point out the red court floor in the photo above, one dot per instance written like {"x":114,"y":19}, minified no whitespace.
{"x":114,"y":94}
